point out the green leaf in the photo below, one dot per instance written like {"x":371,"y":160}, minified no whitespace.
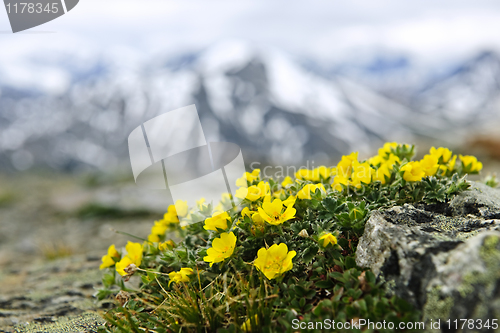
{"x":350,"y":262}
{"x":310,"y":253}
{"x":325,"y":284}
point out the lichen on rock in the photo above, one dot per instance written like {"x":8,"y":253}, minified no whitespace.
{"x":443,"y":258}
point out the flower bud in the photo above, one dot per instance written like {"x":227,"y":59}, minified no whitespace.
{"x":303,"y":233}
{"x":122,"y":297}
{"x":130,"y":269}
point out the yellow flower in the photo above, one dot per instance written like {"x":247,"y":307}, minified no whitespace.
{"x":247,"y":325}
{"x":361,"y":173}
{"x":254,"y":192}
{"x":246,"y":212}
{"x":217,"y":221}
{"x":180,"y":276}
{"x":154,"y":238}
{"x":304,"y":174}
{"x":219,"y":209}
{"x":381,"y":173}
{"x":278,"y":193}
{"x":376,"y":160}
{"x":166,"y":245}
{"x":274,"y":261}
{"x":257,"y":219}
{"x":344,"y":168}
{"x":328,"y":238}
{"x":430,"y":165}
{"x":388,"y":159}
{"x":413,"y":172}
{"x":181,"y":207}
{"x":222,"y":248}
{"x":255,"y":174}
{"x":314,"y":175}
{"x":442,"y":154}
{"x":470,"y":164}
{"x":273,"y":213}
{"x":320,"y":172}
{"x":134,"y":256}
{"x":258,"y":223}
{"x":242,"y":182}
{"x":122,"y":264}
{"x":265,"y":189}
{"x":337,"y":181}
{"x":290,"y":201}
{"x":391,"y":161}
{"x":170,"y":216}
{"x":200,"y":203}
{"x":451,"y":165}
{"x":107,"y":260}
{"x":387,"y":149}
{"x":250,"y":177}
{"x":287,"y":181}
{"x":159,"y":229}
{"x":134,"y":252}
{"x":305,"y":192}
{"x":225,"y":197}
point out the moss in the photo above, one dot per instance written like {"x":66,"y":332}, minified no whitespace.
{"x":490,"y":245}
{"x":436,"y":306}
{"x":481,"y":311}
{"x":491,"y":257}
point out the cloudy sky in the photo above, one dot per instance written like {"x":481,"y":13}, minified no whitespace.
{"x":326,"y":30}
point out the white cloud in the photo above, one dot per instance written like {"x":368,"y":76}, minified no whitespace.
{"x":130,"y":29}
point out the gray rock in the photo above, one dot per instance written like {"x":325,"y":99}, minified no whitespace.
{"x":443,"y":258}
{"x":480,"y":200}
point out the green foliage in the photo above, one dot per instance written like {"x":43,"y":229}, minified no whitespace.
{"x":94,"y":210}
{"x":7,"y":198}
{"x":491,"y":180}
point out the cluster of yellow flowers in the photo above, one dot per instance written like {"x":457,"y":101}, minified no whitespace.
{"x":171,"y":217}
{"x":274,"y":209}
{"x":350,"y":172}
{"x":438,"y":161}
{"x":274,"y":206}
{"x":180,"y":276}
{"x":133,"y":256}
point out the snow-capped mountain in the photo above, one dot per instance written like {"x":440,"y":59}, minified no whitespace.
{"x":274,"y":109}
{"x":468,"y":95}
{"x":267,"y":103}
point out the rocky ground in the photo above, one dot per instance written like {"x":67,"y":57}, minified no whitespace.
{"x":53,"y":231}
{"x":444,"y":258}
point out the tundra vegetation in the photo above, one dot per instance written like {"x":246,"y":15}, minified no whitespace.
{"x":286,"y":252}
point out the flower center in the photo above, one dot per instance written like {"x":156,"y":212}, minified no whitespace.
{"x":273,"y":266}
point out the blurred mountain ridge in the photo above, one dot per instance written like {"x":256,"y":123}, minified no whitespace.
{"x":469,"y":93}
{"x":277,"y":110}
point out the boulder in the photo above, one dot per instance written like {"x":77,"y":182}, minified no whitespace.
{"x":443,"y":258}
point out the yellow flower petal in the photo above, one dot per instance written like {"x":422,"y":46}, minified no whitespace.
{"x":134,"y":252}
{"x":122,"y":264}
